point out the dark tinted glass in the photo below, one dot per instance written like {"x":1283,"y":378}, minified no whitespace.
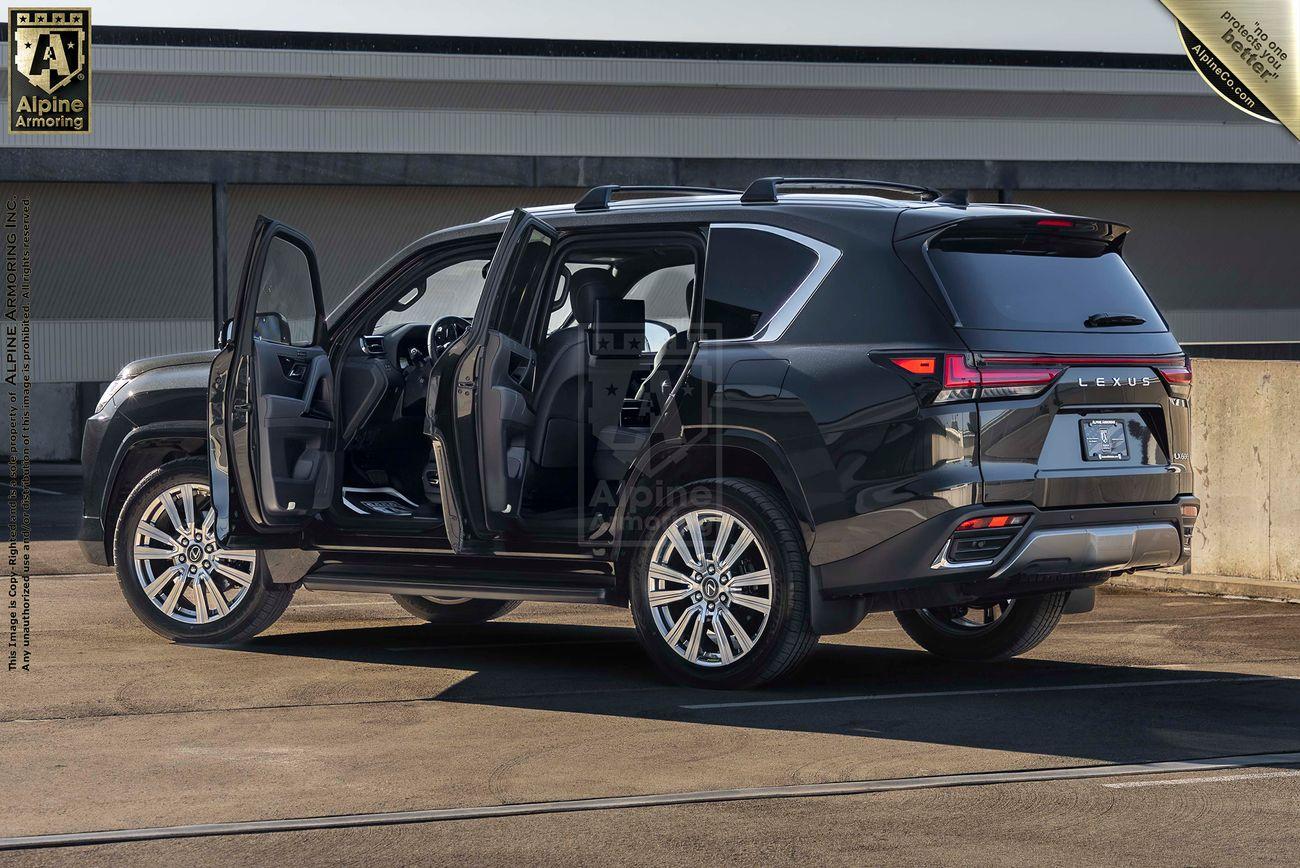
{"x":749,"y":275}
{"x":1042,"y":288}
{"x":517,"y":302}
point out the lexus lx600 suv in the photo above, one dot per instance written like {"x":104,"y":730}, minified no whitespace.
{"x":751,"y":417}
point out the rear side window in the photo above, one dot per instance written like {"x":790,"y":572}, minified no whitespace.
{"x":1039,"y":284}
{"x":748,"y":276}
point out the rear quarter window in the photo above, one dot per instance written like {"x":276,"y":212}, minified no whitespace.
{"x":748,"y":276}
{"x":1039,"y":284}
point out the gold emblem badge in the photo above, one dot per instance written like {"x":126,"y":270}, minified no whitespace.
{"x":49,"y":70}
{"x":1245,"y":51}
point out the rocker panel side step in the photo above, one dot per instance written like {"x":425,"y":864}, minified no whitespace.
{"x":501,"y":585}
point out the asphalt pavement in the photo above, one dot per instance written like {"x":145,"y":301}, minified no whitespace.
{"x":351,"y":733}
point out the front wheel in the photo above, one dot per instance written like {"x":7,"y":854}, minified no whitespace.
{"x":454,"y":610}
{"x":719,"y":587}
{"x":995,"y":630}
{"x":180,"y":582}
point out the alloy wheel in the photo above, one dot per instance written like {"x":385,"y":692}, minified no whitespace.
{"x":710,"y":587}
{"x":184,"y":572}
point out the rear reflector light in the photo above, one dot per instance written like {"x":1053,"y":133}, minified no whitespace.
{"x":1190,"y":511}
{"x":992,"y":521}
{"x":916,"y":365}
{"x":1063,"y":224}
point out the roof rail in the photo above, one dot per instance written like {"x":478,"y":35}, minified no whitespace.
{"x":763,"y":191}
{"x":597,"y":198}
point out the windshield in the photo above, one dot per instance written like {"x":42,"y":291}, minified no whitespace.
{"x":1041,"y":286}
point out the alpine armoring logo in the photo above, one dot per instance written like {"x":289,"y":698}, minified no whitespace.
{"x":49,"y":70}
{"x":1220,"y":78}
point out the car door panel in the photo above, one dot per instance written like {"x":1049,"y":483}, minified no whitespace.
{"x":479,"y":412}
{"x":271,"y":429}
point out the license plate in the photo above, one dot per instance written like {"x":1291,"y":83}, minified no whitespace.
{"x":1104,"y":440}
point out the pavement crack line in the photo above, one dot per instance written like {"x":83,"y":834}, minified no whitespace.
{"x":610,"y":803}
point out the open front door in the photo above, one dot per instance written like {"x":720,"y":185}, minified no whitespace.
{"x":271,"y":397}
{"x":480,"y":397}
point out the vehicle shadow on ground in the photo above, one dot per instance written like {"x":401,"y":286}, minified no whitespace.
{"x":998,"y":706}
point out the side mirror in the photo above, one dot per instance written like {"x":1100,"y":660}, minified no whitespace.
{"x":271,"y":326}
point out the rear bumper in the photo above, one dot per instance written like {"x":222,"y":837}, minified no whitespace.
{"x":1057,"y":548}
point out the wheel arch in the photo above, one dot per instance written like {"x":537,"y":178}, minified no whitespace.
{"x":144,"y":449}
{"x":708,"y":453}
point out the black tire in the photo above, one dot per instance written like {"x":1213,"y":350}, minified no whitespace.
{"x":786,"y":639}
{"x":1027,"y":623}
{"x":460,"y":612}
{"x":260,"y":606}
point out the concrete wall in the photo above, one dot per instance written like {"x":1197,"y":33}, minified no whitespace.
{"x":1246,"y":456}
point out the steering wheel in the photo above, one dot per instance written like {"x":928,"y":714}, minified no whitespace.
{"x":444,"y":332}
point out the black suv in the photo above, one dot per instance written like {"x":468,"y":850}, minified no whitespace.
{"x":752,"y":417}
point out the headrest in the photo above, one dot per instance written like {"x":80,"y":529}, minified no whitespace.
{"x":586,"y":286}
{"x":618,"y":329}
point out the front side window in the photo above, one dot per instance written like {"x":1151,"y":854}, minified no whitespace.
{"x":748,"y":276}
{"x":453,"y":290}
{"x":286,"y":301}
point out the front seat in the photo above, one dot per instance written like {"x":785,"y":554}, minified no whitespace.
{"x":558,"y":437}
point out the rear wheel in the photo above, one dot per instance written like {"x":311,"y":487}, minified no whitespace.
{"x":454,"y":610}
{"x":985,"y":631}
{"x":180,"y":582}
{"x":720,"y":587}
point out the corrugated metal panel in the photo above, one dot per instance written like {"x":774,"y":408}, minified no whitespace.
{"x":581,"y":134}
{"x":119,"y":251}
{"x":70,"y":351}
{"x":1226,"y":326}
{"x":587,"y":70}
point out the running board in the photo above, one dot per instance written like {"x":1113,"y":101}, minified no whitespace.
{"x":337,"y":577}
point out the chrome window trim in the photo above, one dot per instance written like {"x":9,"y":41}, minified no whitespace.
{"x":774,"y":328}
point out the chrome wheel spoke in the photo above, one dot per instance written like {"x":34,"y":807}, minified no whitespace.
{"x":720,"y":636}
{"x":679,"y":629}
{"x":669,"y":595}
{"x":218,"y":599}
{"x":743,"y":540}
{"x":157,"y":535}
{"x":758,"y":578}
{"x":758,"y":604}
{"x":743,"y":642}
{"x":149,"y":553}
{"x":246,"y":557}
{"x":244,"y":579}
{"x":209,"y":520}
{"x":697,"y":633}
{"x":155,"y":587}
{"x":187,"y":499}
{"x":668,"y":574}
{"x":200,"y":601}
{"x":679,"y":545}
{"x":697,"y":536}
{"x":169,"y":504}
{"x":174,"y":597}
{"x":720,"y":541}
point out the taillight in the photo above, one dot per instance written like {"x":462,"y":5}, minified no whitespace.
{"x":1180,"y":375}
{"x":952,"y":376}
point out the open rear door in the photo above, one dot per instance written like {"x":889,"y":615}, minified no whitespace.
{"x":271,"y":424}
{"x":480,"y":428}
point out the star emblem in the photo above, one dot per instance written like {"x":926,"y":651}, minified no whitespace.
{"x":634,"y":343}
{"x":603,"y":344}
{"x":687,"y":389}
{"x":611,"y":389}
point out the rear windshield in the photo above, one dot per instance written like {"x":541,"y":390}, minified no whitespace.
{"x":1038,"y":284}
